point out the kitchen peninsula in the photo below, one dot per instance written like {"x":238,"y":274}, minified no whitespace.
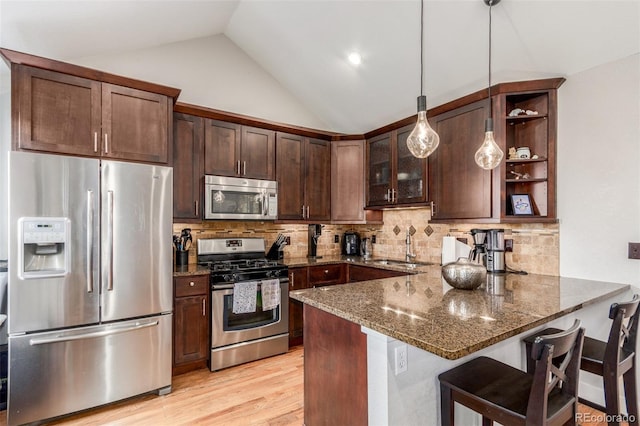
{"x":352,"y":332}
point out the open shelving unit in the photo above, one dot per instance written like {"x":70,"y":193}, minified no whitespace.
{"x":534,"y":177}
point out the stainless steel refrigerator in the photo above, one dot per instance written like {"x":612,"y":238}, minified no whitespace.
{"x":90,"y":283}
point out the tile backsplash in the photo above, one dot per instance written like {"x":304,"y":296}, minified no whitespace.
{"x":535,"y":245}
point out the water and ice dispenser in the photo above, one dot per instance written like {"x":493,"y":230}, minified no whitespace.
{"x":44,"y":247}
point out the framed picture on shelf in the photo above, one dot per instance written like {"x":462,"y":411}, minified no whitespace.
{"x":521,"y":205}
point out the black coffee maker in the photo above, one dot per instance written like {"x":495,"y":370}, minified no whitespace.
{"x":351,"y":243}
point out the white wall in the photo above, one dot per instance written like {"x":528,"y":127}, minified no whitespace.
{"x":212,"y":72}
{"x":599,"y":172}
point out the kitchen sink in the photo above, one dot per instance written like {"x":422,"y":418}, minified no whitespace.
{"x":408,"y":265}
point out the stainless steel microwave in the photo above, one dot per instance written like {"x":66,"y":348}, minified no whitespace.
{"x":231,"y":198}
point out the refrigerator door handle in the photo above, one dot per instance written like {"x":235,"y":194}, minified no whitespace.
{"x":89,"y":241}
{"x":92,"y":335}
{"x":110,"y":240}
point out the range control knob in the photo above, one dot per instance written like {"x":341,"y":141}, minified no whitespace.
{"x":229,"y":277}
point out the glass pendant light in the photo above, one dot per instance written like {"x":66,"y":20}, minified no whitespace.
{"x":422,"y":140}
{"x":489,"y":155}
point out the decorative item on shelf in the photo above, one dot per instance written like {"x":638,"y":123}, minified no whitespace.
{"x":516,"y":112}
{"x":464,"y":274}
{"x":521,"y":204}
{"x":422,"y":140}
{"x":489,"y":155}
{"x":512,"y":154}
{"x":520,"y":175}
{"x":523,"y":152}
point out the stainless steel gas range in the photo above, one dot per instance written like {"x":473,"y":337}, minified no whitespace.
{"x":249,"y":301}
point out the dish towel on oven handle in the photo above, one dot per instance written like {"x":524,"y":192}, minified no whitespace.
{"x":270,"y":290}
{"x":244,"y":297}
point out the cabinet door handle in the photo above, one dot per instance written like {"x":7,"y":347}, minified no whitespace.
{"x":238,"y":167}
{"x":191,"y":284}
{"x":394,"y":195}
{"x":196,"y":208}
{"x":204,"y":307}
{"x":95,"y":141}
{"x":106,"y":143}
{"x":244,"y":168}
{"x":291,"y":275}
{"x":388,"y":199}
{"x":433,"y":209}
{"x":308,"y":214}
{"x":303,"y":211}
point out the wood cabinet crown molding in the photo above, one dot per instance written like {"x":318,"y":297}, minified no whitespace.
{"x":13,"y":57}
{"x":497,"y":89}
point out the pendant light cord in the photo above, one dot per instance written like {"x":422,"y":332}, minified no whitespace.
{"x":421,"y":48}
{"x":490,"y":100}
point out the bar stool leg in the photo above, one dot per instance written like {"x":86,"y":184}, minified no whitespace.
{"x":611,"y":389}
{"x":631,"y":395}
{"x":446,"y":406}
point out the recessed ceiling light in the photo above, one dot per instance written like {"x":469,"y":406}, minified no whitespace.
{"x":355,"y":58}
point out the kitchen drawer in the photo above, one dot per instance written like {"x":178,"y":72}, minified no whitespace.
{"x":326,"y":274}
{"x":191,"y":286}
{"x":363,"y":273}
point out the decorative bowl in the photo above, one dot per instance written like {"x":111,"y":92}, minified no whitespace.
{"x":464,"y":274}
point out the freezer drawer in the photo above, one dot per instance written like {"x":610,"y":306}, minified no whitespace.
{"x":55,"y":373}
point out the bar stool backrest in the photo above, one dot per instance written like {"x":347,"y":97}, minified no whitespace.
{"x":566,"y":349}
{"x":624,"y":330}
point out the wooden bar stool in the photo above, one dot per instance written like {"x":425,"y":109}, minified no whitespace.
{"x":510,"y":396}
{"x":611,"y":360}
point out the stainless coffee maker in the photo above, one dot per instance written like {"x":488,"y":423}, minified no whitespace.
{"x":479,"y":252}
{"x":495,"y":250}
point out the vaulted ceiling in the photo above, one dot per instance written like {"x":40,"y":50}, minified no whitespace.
{"x":303,"y":44}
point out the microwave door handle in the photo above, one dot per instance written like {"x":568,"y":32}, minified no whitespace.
{"x":265,"y":204}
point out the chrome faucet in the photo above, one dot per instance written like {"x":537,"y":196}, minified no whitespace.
{"x":408,"y":255}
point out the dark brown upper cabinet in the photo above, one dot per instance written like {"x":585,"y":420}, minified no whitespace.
{"x":395,"y":177}
{"x":188,"y":166}
{"x":239,"y":151}
{"x":462,"y":191}
{"x":459,"y":189}
{"x":68,"y":114}
{"x":304,"y":178}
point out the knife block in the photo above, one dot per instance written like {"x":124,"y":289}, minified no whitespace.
{"x":275,"y":253}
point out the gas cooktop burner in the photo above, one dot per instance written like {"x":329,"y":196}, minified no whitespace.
{"x":240,"y":265}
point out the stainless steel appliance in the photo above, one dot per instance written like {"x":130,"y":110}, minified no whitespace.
{"x":313,"y":232}
{"x":237,"y":198}
{"x":351,"y":243}
{"x":495,"y":251}
{"x":90,"y":283}
{"x":366,"y":248}
{"x":479,"y":252}
{"x":242,"y":337}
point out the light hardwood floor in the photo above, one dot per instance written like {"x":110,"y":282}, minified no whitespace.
{"x":264,"y":392}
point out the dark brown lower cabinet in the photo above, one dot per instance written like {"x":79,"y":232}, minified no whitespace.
{"x":298,"y":280}
{"x":363,"y":273}
{"x":191,"y":346}
{"x":335,"y":370}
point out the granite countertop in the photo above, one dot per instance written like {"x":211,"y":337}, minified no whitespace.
{"x":425,"y":312}
{"x":380,"y":263}
{"x":189,"y":270}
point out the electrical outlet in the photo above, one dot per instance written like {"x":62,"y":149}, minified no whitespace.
{"x":634,"y":250}
{"x":401,"y":359}
{"x":508,"y":244}
{"x":287,"y":240}
{"x":373,"y":239}
{"x":336,"y":238}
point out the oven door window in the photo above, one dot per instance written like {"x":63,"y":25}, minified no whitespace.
{"x":226,"y":201}
{"x":259,"y":318}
